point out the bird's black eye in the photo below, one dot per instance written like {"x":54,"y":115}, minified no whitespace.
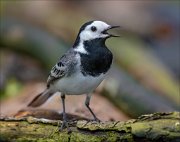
{"x":93,"y":28}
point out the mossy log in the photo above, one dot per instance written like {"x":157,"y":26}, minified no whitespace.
{"x":147,"y":128}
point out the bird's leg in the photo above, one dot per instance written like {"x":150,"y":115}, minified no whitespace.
{"x":88,"y":97}
{"x":65,"y":123}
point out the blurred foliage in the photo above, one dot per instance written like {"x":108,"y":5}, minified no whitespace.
{"x":26,"y":39}
{"x":140,"y":62}
{"x":12,"y":89}
{"x":128,"y":94}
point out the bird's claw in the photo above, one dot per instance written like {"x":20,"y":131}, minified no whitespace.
{"x":97,"y":120}
{"x":65,"y":125}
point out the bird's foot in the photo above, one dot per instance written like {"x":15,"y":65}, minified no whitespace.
{"x":96,"y":119}
{"x":65,"y":125}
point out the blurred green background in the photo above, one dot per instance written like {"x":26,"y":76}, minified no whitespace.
{"x":146,"y":71}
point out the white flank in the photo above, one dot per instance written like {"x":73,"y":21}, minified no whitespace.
{"x":78,"y":84}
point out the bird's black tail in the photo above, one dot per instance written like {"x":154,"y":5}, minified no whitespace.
{"x":41,"y":98}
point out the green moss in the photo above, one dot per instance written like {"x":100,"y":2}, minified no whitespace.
{"x":25,"y":139}
{"x":175,"y":115}
{"x":126,"y":138}
{"x":112,"y":136}
{"x":84,"y":137}
{"x":140,"y":129}
{"x":150,"y":127}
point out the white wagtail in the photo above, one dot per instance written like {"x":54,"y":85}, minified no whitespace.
{"x":82,"y":68}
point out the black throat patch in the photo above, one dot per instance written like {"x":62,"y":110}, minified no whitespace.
{"x":98,"y":60}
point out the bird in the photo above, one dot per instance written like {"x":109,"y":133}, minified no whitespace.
{"x":81,"y":69}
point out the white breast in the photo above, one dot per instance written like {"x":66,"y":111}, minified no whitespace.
{"x":78,"y":84}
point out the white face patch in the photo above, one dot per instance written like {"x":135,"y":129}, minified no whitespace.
{"x":89,"y":34}
{"x":92,"y":31}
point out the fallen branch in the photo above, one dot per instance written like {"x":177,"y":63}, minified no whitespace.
{"x":147,"y":128}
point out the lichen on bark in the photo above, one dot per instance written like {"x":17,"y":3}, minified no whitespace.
{"x":149,"y":128}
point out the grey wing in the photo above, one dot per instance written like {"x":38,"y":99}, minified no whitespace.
{"x":56,"y":72}
{"x":63,"y":67}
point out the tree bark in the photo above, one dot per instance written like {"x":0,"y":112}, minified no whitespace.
{"x":146,"y":128}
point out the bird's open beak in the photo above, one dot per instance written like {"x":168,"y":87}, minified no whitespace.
{"x":111,"y":35}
